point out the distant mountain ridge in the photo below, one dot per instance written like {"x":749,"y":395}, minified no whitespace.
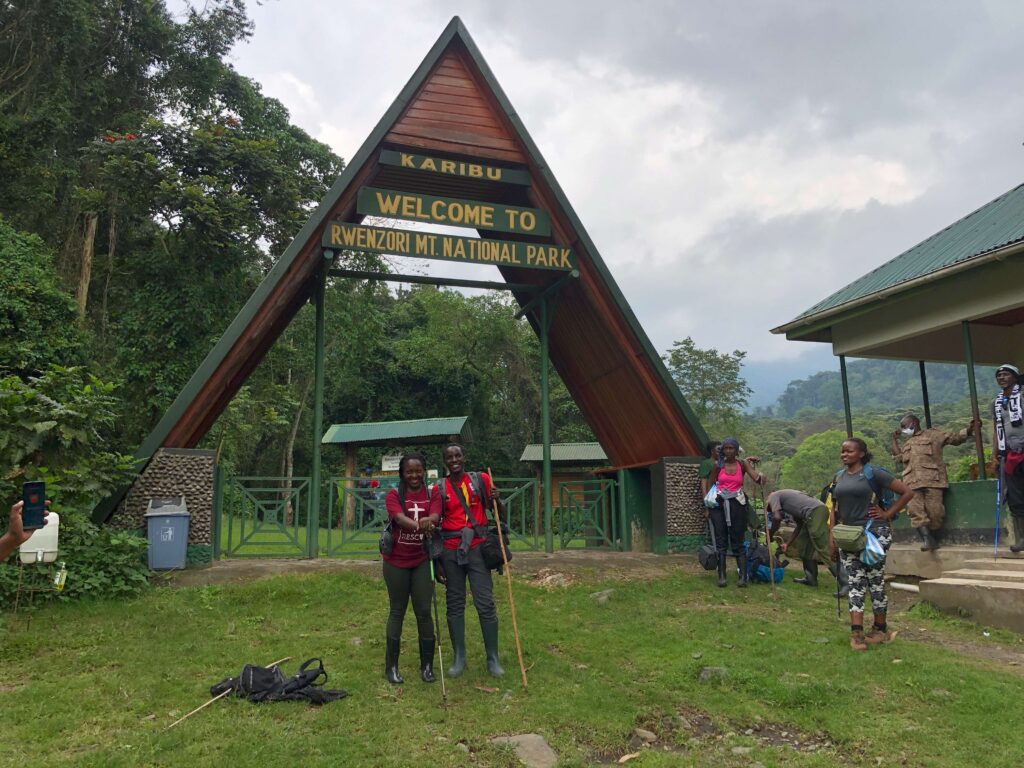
{"x":880,"y":385}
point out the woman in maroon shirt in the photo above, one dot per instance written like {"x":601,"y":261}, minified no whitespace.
{"x":406,"y":569}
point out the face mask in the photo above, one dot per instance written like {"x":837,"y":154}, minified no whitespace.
{"x":907,"y":431}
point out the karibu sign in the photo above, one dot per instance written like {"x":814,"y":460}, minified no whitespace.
{"x":451,"y":212}
{"x":429,"y":245}
{"x":465,"y":168}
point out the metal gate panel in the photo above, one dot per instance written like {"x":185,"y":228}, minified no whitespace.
{"x":263,"y":517}
{"x":588,"y":514}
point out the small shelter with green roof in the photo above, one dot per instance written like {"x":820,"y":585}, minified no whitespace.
{"x":955,"y":297}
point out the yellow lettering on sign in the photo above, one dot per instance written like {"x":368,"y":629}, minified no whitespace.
{"x":476,"y":171}
{"x":388,"y":204}
{"x":494,"y":174}
{"x":421,"y":243}
{"x":447,"y":166}
{"x":428,"y":164}
{"x":408,"y":160}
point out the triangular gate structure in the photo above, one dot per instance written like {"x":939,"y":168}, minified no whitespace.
{"x":452,"y":146}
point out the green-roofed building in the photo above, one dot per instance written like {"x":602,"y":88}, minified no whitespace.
{"x":955,"y":297}
{"x":405,"y":432}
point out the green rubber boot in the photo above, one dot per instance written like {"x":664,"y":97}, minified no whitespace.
{"x":490,"y":633}
{"x":457,"y":632}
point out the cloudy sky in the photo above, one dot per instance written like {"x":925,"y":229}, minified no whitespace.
{"x":734,"y":162}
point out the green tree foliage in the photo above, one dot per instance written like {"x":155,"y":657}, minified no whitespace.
{"x":815,"y":462}
{"x":56,"y":428}
{"x":711,"y":383}
{"x":37,"y":317}
{"x":878,"y":385}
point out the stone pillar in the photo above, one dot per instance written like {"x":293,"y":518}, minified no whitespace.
{"x":176,"y":472}
{"x":677,"y":505}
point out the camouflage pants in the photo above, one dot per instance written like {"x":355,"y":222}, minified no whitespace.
{"x":868,"y":578}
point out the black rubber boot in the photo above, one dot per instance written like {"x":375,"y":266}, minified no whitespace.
{"x":741,"y":562}
{"x":810,"y":574}
{"x":837,"y":570}
{"x":721,"y":569}
{"x":1018,"y":527}
{"x":394,"y":647}
{"x":490,"y":633}
{"x":427,"y":645}
{"x":927,"y":542}
{"x":457,"y":632}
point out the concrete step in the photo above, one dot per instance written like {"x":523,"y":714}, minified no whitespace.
{"x":989,"y":602}
{"x":983,"y":574}
{"x":1012,"y":563}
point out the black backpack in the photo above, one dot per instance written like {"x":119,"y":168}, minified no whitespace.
{"x":260,"y":684}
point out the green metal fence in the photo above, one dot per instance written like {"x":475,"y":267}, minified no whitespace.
{"x":263,"y":517}
{"x":587,"y":514}
{"x":269,"y":516}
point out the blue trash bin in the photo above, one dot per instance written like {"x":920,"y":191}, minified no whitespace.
{"x":167,"y":526}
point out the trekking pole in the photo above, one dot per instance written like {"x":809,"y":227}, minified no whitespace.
{"x":508,"y":581}
{"x":768,"y":542}
{"x":437,"y":633}
{"x":1000,"y":476}
{"x":222,"y":695}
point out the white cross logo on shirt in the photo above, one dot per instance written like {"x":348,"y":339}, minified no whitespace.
{"x":417,"y":509}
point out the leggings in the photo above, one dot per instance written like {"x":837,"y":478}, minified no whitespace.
{"x":868,"y":578}
{"x":730,"y":536}
{"x":402,"y":584}
{"x":479,"y":581}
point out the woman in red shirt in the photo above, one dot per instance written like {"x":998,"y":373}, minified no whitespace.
{"x":406,"y":570}
{"x":463,"y":517}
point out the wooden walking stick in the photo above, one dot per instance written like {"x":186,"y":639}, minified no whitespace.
{"x":768,"y":542}
{"x":222,"y":695}
{"x":508,"y":581}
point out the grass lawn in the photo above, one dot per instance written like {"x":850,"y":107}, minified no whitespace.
{"x":97,"y":684}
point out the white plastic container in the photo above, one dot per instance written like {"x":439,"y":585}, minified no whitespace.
{"x":42,"y":547}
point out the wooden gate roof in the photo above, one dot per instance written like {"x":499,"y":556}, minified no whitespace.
{"x":453,"y":107}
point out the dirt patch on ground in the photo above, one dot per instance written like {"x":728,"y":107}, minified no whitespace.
{"x":693,"y":729}
{"x":582,"y":565}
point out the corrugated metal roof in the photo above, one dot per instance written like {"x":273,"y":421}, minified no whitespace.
{"x":565,"y":452}
{"x":995,"y":225}
{"x":409,"y":430}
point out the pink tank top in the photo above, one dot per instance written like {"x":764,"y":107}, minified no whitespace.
{"x":733,"y":482}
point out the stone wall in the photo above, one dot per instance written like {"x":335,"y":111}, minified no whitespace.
{"x":175,"y":472}
{"x":677,"y":505}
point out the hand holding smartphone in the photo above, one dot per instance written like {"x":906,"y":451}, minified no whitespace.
{"x":33,"y":511}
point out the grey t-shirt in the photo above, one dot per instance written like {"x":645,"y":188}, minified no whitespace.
{"x":853,"y":494}
{"x":793,"y":503}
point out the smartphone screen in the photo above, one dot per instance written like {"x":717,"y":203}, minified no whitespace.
{"x":34,"y":496}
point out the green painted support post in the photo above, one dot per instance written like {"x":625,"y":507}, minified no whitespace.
{"x":625,"y":528}
{"x":218,"y":508}
{"x":846,"y":396}
{"x":969,"y":359}
{"x":924,"y":396}
{"x":545,"y":425}
{"x":313,"y":513}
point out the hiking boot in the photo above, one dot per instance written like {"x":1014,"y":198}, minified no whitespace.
{"x":490,"y":633}
{"x":427,"y":659}
{"x":721,"y":569}
{"x":857,"y":641}
{"x":927,"y":542}
{"x":879,"y":637}
{"x":457,"y":632}
{"x":837,"y":570}
{"x":741,"y":563}
{"x":1018,"y":527}
{"x":810,"y":578}
{"x":394,"y":647}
